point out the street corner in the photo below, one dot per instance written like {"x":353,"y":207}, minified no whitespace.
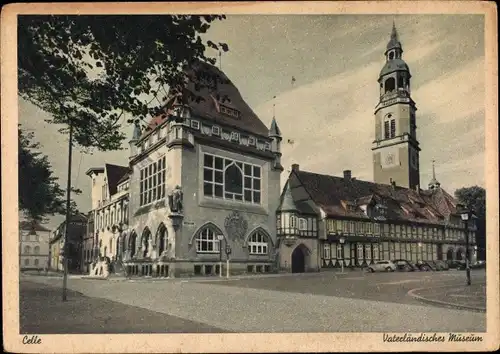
{"x":464,"y":297}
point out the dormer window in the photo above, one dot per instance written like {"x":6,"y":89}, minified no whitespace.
{"x":195,"y":124}
{"x":215,"y":130}
{"x":235,"y":136}
{"x":251,"y":141}
{"x":229,"y":111}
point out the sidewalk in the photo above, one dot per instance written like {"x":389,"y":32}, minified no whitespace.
{"x":465,"y":297}
{"x":43,"y":312}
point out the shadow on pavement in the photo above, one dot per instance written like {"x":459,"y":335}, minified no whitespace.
{"x":43,"y":312}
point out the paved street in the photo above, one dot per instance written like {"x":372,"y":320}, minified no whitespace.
{"x":320,"y":302}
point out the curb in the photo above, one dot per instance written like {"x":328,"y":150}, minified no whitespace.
{"x":439,"y":302}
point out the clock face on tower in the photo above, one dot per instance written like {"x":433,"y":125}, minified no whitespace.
{"x":389,"y":159}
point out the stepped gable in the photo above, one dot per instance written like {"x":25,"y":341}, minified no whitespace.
{"x":335,"y":194}
{"x":209,"y":106}
{"x":114,"y":174}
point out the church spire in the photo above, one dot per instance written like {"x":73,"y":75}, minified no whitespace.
{"x":433,"y":184}
{"x":394,"y":42}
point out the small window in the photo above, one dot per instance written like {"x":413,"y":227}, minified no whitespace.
{"x":251,"y":141}
{"x":235,"y":136}
{"x":302,"y":224}
{"x":215,"y":130}
{"x":195,"y":124}
{"x":293,"y":221}
{"x":267,"y":147}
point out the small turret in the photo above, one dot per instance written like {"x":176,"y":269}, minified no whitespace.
{"x":434,"y":184}
{"x":275,"y":135}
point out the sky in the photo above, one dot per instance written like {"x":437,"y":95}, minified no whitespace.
{"x":328,"y":112}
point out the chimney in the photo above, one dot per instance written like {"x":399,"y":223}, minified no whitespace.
{"x":295,"y":167}
{"x":347,"y":175}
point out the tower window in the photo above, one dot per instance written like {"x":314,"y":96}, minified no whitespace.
{"x":391,"y":55}
{"x":400,"y":82}
{"x":393,"y":128}
{"x":386,"y":129}
{"x":390,"y":84}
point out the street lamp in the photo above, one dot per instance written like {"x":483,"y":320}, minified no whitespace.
{"x":220,"y":238}
{"x":466,"y":215}
{"x":342,"y":240}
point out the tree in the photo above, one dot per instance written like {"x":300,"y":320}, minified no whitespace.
{"x":92,"y":71}
{"x":475,"y":197}
{"x":39,"y":193}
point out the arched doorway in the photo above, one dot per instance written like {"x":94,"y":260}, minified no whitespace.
{"x":299,"y":259}
{"x":449,"y":254}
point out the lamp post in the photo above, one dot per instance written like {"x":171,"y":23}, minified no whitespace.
{"x":220,"y":238}
{"x":342,"y":240}
{"x":466,"y":214}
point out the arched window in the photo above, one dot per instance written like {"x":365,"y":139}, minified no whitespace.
{"x":36,"y":250}
{"x":391,"y":55}
{"x":389,"y":126}
{"x":390,"y":84}
{"x":36,"y":262}
{"x":26,"y":262}
{"x":258,"y":243}
{"x":207,"y":241}
{"x":146,"y":234}
{"x":27,"y":249}
{"x":132,"y":243}
{"x":161,"y":239}
{"x":233,"y":182}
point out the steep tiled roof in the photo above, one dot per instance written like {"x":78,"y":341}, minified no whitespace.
{"x":342,"y":197}
{"x":209,"y":106}
{"x":114,"y":174}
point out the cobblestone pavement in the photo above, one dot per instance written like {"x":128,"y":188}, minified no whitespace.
{"x":43,"y":312}
{"x":242,"y":308}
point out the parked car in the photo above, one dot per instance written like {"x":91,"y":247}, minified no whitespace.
{"x":425,"y":266}
{"x":477,"y":265}
{"x":382,"y":266}
{"x":454,"y":264}
{"x":404,"y":266}
{"x":442,"y":264}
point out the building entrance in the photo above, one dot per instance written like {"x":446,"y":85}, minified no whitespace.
{"x":298,"y":260}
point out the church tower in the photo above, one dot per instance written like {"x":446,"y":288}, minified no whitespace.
{"x":395,"y":148}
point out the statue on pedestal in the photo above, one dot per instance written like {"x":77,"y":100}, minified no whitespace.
{"x":175,"y":200}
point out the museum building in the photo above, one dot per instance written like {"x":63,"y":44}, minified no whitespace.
{"x":326,"y":221}
{"x":203,"y":184}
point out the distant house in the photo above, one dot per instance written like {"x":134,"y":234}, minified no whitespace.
{"x":33,"y":245}
{"x":76,"y":232}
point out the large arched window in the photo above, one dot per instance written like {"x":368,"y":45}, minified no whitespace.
{"x":27,"y":249}
{"x":258,"y":243}
{"x":233,"y":182}
{"x":36,"y":250}
{"x":161,"y":239}
{"x":389,"y":126}
{"x":390,"y":84}
{"x":229,"y":179}
{"x":132,"y":243}
{"x":207,"y":241}
{"x":146,"y":235}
